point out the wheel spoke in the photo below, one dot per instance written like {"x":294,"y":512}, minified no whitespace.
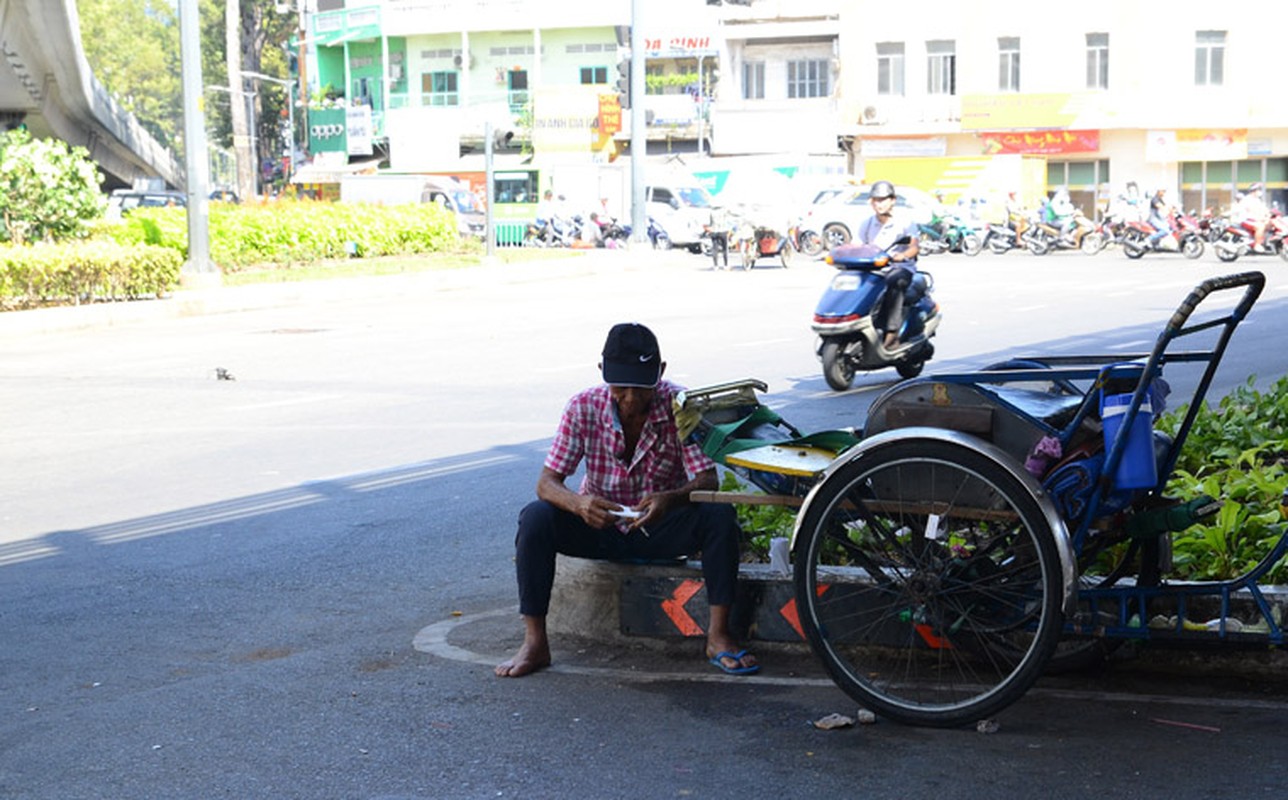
{"x":929,"y":585}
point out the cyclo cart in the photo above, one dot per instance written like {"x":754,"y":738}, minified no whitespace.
{"x":984,"y":526}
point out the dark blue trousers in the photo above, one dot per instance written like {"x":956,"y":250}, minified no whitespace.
{"x":544,"y":531}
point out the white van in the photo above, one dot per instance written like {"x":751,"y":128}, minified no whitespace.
{"x":391,"y":189}
{"x":681,"y":210}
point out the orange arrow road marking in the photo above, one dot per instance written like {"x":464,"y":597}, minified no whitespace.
{"x":674,"y":607}
{"x":792,"y":614}
{"x":929,"y":636}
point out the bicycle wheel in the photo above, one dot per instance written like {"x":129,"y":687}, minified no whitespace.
{"x":929,"y":581}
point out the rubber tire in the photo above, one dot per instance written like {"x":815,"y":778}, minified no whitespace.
{"x":1038,"y":247}
{"x":836,"y":369}
{"x":1227,"y":256}
{"x":964,"y":630}
{"x":662,"y":242}
{"x":999,"y":245}
{"x":834,"y":234}
{"x":910,"y":369}
{"x":1283,"y":251}
{"x":971,"y":245}
{"x":1193,"y":248}
{"x":785,"y":254}
{"x":812,"y":244}
{"x":1134,"y":244}
{"x":1092,"y":243}
{"x":748,"y":254}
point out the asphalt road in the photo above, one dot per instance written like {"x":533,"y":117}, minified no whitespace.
{"x":294,"y":583}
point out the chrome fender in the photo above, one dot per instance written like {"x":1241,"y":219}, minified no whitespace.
{"x":1063,"y":544}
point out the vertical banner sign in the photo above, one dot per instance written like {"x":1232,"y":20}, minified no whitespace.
{"x":357,"y":124}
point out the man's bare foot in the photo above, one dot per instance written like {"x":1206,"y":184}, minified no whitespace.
{"x":529,"y":659}
{"x":728,"y":651}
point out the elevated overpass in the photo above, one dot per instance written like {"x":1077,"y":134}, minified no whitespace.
{"x":46,"y":84}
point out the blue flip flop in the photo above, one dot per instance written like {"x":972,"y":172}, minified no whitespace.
{"x":717,"y":661}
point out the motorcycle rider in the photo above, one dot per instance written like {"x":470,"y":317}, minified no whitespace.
{"x":883,"y":230}
{"x":1252,"y":207}
{"x":1159,"y":216}
{"x":1063,"y":214}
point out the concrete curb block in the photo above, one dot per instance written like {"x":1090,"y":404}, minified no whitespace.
{"x":602,"y":601}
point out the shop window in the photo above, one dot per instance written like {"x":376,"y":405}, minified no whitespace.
{"x":807,"y":78}
{"x":1209,"y":58}
{"x":890,"y":68}
{"x":1008,"y":64}
{"x":1097,"y":61}
{"x":753,"y":80}
{"x":594,"y":75}
{"x":439,"y":89}
{"x":941,"y":67}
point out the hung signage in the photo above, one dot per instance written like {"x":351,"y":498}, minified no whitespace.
{"x":680,"y":44}
{"x":1040,"y":142}
{"x":358,"y":131}
{"x":326,"y":131}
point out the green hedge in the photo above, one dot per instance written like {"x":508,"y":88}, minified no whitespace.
{"x":289,"y":231}
{"x":78,"y":272}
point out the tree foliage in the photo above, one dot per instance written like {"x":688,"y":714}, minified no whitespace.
{"x":133,"y":48}
{"x":48,"y":192}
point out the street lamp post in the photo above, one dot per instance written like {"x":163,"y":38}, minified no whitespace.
{"x":290,"y":107}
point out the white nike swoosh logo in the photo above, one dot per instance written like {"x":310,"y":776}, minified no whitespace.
{"x":645,"y":359}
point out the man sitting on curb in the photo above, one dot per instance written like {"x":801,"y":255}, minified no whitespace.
{"x":633,"y":502}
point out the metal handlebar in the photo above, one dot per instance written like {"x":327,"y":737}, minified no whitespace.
{"x":1255,"y":281}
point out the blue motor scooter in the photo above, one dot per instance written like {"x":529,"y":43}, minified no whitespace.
{"x":849,"y":340}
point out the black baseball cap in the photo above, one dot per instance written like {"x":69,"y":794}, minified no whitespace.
{"x":631,"y":356}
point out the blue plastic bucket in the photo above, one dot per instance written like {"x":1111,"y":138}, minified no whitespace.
{"x":1137,"y":469}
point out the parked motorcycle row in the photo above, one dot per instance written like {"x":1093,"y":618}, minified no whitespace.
{"x":576,"y":231}
{"x":1030,"y":231}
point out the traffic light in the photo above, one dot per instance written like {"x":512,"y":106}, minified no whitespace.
{"x":624,"y":82}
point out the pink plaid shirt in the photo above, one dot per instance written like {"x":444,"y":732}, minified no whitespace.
{"x":590,"y":429}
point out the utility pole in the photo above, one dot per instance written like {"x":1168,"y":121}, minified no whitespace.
{"x":639,"y":136}
{"x":241,"y":130}
{"x":289,"y":86}
{"x":198,"y":268}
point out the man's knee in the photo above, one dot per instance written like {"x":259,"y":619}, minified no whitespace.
{"x":536,"y":519}
{"x":720,"y":523}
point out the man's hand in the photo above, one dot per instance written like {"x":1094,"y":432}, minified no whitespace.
{"x":656,"y":506}
{"x":596,"y":511}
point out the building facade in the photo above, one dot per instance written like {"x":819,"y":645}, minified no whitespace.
{"x":1107,"y":93}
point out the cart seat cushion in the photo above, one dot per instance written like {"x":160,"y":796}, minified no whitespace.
{"x":1054,"y":409}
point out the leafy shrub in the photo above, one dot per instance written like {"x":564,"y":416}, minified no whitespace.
{"x":48,"y":191}
{"x":79,"y":272}
{"x":1237,"y":453}
{"x":290,"y":231}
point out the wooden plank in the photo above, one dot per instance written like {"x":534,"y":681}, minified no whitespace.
{"x":746,"y":498}
{"x":801,"y":461}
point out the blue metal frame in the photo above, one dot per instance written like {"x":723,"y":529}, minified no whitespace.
{"x":1129,"y":600}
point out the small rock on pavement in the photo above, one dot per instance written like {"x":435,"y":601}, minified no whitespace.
{"x":987,"y":726}
{"x":833,"y":721}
